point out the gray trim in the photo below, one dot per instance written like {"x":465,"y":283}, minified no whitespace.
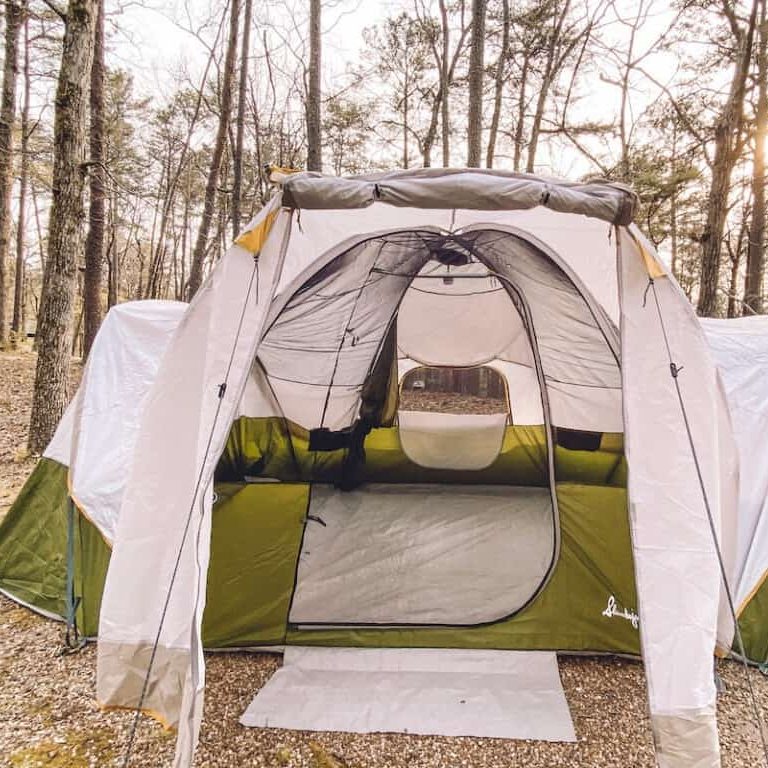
{"x":468,"y":189}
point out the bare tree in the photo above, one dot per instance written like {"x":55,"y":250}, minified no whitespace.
{"x":753,"y":284}
{"x":499,"y":81}
{"x":94,"y":242}
{"x":314,"y":121}
{"x":237,"y":158}
{"x":65,"y":236}
{"x":727,"y":133}
{"x":17,"y":324}
{"x":476,"y":69}
{"x":209,"y":202}
{"x":13,"y":18}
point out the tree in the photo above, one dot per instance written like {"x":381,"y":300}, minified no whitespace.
{"x":401,"y":48}
{"x":346,"y":130}
{"x":476,"y":70}
{"x":209,"y":203}
{"x":499,"y":80}
{"x":728,"y":130}
{"x":438,"y":36}
{"x":13,"y":17}
{"x":242,"y":91}
{"x":65,"y":236}
{"x":94,"y":243}
{"x":314,"y":124}
{"x":17,"y":324}
{"x":753,"y":284}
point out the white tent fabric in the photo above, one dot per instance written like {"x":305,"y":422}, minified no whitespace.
{"x":563,"y":269}
{"x":740,"y":349}
{"x":442,"y":323}
{"x":441,"y":692}
{"x":671,"y":535}
{"x":159,"y":561}
{"x":364,"y":562}
{"x":109,"y":405}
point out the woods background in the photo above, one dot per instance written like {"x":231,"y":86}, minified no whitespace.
{"x":111,"y":192}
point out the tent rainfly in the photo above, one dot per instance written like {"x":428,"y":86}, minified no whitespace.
{"x":247,"y":471}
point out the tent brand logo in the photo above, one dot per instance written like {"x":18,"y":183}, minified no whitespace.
{"x":613,"y":610}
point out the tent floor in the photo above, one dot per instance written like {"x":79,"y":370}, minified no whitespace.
{"x":422,"y":554}
{"x":440,"y":692}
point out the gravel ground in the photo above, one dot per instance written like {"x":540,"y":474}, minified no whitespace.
{"x":49,"y":717}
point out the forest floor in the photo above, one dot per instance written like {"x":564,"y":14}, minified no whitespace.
{"x":49,"y":716}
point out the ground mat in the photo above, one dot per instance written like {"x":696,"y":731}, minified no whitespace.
{"x":498,"y":694}
{"x":422,"y":554}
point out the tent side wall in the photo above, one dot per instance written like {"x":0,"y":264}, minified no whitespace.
{"x":33,"y":550}
{"x":255,"y":539}
{"x":680,"y":453}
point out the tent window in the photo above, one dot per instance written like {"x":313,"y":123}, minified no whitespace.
{"x":453,"y":418}
{"x":479,"y":389}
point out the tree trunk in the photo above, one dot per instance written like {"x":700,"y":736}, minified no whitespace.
{"x":475,"y":107}
{"x":65,"y":231}
{"x":548,"y":77}
{"x":113,"y":256}
{"x":520,"y":125}
{"x":13,"y":18}
{"x":314,"y":127}
{"x":406,"y":96}
{"x":237,"y":179}
{"x":733,"y":283}
{"x":445,"y":115}
{"x":17,"y":325}
{"x":726,"y":134}
{"x":94,"y":242}
{"x":209,"y":201}
{"x":753,"y":284}
{"x":498,"y":85}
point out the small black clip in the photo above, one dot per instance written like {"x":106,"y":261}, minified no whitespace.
{"x":647,"y":288}
{"x":675,"y":370}
{"x":317,"y":520}
{"x":222,"y":389}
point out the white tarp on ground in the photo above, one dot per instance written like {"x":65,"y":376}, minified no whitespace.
{"x":740,"y":348}
{"x":429,"y":554}
{"x":439,"y":692}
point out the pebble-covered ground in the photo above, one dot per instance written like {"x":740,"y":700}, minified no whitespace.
{"x":49,"y":717}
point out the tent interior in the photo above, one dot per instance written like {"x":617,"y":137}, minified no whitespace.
{"x":409,"y":518}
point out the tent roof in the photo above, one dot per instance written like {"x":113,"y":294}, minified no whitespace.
{"x":469,"y":189}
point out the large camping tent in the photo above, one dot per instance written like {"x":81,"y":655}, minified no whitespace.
{"x":259,"y":481}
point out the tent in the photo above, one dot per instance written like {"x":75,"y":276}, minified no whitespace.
{"x":245,"y":472}
{"x":740,"y":350}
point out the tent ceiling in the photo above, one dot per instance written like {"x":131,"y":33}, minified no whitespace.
{"x":321,"y":346}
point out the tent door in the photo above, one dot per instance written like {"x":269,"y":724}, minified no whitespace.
{"x":422,"y":554}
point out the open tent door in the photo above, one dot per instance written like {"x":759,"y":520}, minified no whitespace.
{"x":461,"y":553}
